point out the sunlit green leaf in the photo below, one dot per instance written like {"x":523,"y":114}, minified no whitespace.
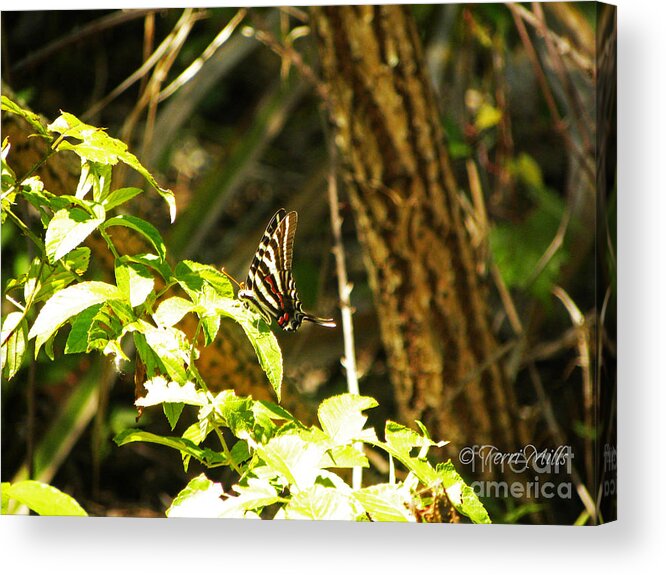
{"x":204,"y":455}
{"x":344,"y":456}
{"x":193,"y":276}
{"x":385,"y":502}
{"x":171,"y":347}
{"x":161,"y":390}
{"x":200,"y":498}
{"x":254,"y":495}
{"x":119,"y":197}
{"x":32,"y":118}
{"x":342,"y":419}
{"x":487,"y":117}
{"x":135,"y":281}
{"x":79,"y":338}
{"x":236,"y":412}
{"x":295,"y":459}
{"x":97,"y":146}
{"x":13,"y":347}
{"x":147,"y":230}
{"x":171,"y":310}
{"x":152,"y":261}
{"x":44,"y":499}
{"x":319,"y":503}
{"x":67,"y":303}
{"x":461,"y":495}
{"x":263,"y":340}
{"x":68,"y":229}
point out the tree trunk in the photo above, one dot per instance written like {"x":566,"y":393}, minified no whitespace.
{"x":430,"y":302}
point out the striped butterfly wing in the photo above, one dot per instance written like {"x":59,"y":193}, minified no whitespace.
{"x":270,"y":288}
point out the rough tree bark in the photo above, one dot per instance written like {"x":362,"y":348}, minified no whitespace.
{"x":430,"y":302}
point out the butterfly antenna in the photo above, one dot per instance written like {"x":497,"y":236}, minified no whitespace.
{"x":240,"y":285}
{"x":320,"y":320}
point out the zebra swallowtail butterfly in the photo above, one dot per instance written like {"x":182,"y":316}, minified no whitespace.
{"x":269,"y":288}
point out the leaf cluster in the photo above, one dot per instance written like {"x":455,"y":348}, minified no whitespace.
{"x":285,"y":469}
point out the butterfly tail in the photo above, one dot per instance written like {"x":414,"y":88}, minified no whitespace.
{"x":319,"y":320}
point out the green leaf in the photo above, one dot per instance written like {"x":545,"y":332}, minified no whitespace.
{"x":401,"y":441}
{"x":94,"y":176}
{"x":344,"y":456}
{"x":153,"y":262}
{"x":135,"y":281}
{"x":385,"y":502}
{"x":67,"y":303}
{"x":8,"y":182}
{"x":119,"y":197}
{"x":203,"y":455}
{"x":172,"y":412}
{"x":319,"y":502}
{"x":143,"y":227}
{"x":461,"y":495}
{"x":211,"y":325}
{"x":68,"y":229}
{"x":236,"y":412}
{"x":97,"y":146}
{"x":240,"y":452}
{"x":342,"y":419}
{"x":32,"y":118}
{"x":196,"y":433}
{"x":79,"y":338}
{"x":160,"y":390}
{"x":171,"y":348}
{"x":46,"y":279}
{"x":13,"y":347}
{"x":171,"y":311}
{"x":292,"y":457}
{"x":487,"y":117}
{"x":263,"y":340}
{"x":256,"y":494}
{"x":200,"y":498}
{"x":44,"y":499}
{"x":193,"y":276}
{"x":518,"y":248}
{"x":4,"y":506}
{"x":526,"y":168}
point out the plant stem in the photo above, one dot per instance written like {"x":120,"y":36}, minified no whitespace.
{"x":25,"y":230}
{"x":344,"y":290}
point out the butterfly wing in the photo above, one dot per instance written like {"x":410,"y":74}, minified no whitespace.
{"x":270,"y":286}
{"x":266,"y":239}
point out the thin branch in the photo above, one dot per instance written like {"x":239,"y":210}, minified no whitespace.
{"x":344,"y":291}
{"x":548,"y":94}
{"x":559,"y":437}
{"x":556,"y":243}
{"x":287,"y":53}
{"x":344,"y":287}
{"x":581,"y":115}
{"x":563,"y":45}
{"x":583,"y":344}
{"x":91,"y":29}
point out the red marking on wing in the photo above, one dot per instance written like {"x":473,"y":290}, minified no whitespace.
{"x":269,"y":280}
{"x":284,"y":318}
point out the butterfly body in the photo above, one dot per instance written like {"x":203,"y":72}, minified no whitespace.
{"x":270,"y":289}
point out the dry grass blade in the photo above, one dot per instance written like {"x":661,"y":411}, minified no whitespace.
{"x":584,"y":360}
{"x":141,"y":72}
{"x":196,"y":66}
